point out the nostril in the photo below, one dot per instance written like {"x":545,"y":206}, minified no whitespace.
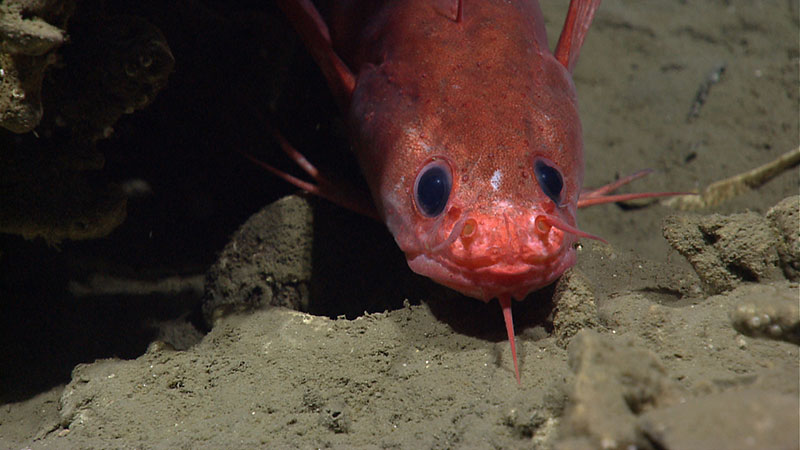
{"x":470,"y":226}
{"x":542,"y":226}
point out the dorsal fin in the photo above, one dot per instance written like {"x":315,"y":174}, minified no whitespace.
{"x":314,"y":32}
{"x":576,"y":25}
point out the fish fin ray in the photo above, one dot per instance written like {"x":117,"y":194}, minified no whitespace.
{"x":576,"y":25}
{"x":602,"y":195}
{"x":336,"y":192}
{"x":314,"y":32}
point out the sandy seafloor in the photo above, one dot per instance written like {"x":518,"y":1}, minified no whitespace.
{"x":661,"y":365}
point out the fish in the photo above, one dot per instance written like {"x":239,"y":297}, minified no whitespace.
{"x":467,"y":131}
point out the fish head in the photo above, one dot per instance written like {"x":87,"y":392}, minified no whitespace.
{"x":477,"y":171}
{"x":488,"y":241}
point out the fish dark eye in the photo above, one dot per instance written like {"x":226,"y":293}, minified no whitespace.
{"x":432,"y":189}
{"x":549,"y":179}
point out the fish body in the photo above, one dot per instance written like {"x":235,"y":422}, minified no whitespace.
{"x":484,"y":99}
{"x":466,"y":128}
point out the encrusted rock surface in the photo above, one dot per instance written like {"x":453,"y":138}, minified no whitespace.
{"x":29,"y":33}
{"x":616,"y":378}
{"x":266,"y":263}
{"x":728,"y":250}
{"x":575,"y":307}
{"x":772,"y":315}
{"x":716,"y":421}
{"x":72,"y":91}
{"x":785,"y":218}
{"x":113,"y":65}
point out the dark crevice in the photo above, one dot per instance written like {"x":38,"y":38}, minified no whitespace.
{"x":742,"y":272}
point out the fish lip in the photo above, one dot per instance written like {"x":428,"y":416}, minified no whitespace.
{"x":522,"y":263}
{"x":520,"y":268}
{"x":503,"y":268}
{"x":516,"y":262}
{"x":488,"y":282}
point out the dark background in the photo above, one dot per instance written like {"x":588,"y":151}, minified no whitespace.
{"x":238,"y":70}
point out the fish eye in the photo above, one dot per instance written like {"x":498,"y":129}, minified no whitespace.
{"x":550,"y":180}
{"x":432,"y":188}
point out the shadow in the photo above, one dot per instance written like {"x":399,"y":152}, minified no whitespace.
{"x":358,"y":268}
{"x":45,"y":331}
{"x":484,"y":320}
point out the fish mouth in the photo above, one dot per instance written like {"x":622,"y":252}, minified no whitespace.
{"x":499,"y":251}
{"x":487,"y":282}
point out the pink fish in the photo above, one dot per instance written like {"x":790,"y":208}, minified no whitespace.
{"x":466,"y":128}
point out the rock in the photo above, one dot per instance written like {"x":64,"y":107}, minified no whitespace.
{"x":725,"y":250}
{"x":29,"y":32}
{"x":772,"y":314}
{"x":616,"y":379}
{"x":114,"y":65}
{"x":575,"y":307}
{"x":63,"y":206}
{"x":335,"y":417}
{"x":785,"y":218}
{"x":77,"y":403}
{"x":266,"y":262}
{"x":747,"y":419}
{"x":352,"y":266}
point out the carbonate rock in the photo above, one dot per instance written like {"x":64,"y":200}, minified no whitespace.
{"x":30,"y":31}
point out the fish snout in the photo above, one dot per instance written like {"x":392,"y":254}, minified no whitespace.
{"x":508,"y":239}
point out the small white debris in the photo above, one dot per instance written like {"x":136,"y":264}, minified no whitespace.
{"x":497,"y":177}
